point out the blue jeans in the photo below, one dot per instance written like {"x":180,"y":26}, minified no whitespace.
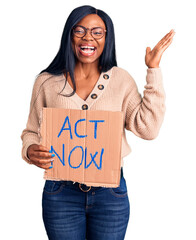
{"x":71,"y":213}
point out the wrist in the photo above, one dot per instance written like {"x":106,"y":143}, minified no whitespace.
{"x":154,"y":67}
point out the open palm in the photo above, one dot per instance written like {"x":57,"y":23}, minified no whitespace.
{"x":153,"y":57}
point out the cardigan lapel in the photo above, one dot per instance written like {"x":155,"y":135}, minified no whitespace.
{"x":95,"y":94}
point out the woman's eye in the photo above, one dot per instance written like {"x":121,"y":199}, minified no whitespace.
{"x":79,"y":31}
{"x":97,"y":33}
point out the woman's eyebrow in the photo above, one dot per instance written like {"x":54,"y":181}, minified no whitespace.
{"x":91,"y":27}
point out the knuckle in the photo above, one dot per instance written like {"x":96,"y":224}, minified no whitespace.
{"x":38,"y":154}
{"x":37,"y":161}
{"x":45,"y":155}
{"x":39,"y":146}
{"x":32,"y":159}
{"x":40,"y":161}
{"x":34,"y":146}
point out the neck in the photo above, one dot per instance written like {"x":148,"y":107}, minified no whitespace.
{"x":86,"y":70}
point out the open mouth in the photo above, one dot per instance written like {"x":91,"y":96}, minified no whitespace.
{"x":87,"y":49}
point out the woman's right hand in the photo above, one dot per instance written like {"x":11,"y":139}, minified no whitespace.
{"x":40,"y":156}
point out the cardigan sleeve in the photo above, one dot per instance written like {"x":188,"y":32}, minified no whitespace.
{"x":144,"y":115}
{"x":30,"y":135}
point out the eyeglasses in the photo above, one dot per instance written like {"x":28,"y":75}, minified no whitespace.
{"x":80,"y":31}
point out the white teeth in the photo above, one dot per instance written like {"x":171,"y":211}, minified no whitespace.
{"x":87,"y":50}
{"x":87,"y":47}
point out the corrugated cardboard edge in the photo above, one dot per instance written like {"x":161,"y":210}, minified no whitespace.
{"x":92,"y":184}
{"x":40,"y":125}
{"x":121,"y":147}
{"x":40,"y":131}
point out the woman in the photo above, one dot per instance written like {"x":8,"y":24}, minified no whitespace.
{"x":86,"y":66}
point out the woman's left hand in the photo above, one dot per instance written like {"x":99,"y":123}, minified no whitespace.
{"x":153,"y":57}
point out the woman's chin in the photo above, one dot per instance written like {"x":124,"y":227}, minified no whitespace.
{"x":86,"y":59}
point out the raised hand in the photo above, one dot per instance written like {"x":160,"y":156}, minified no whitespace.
{"x":153,"y":57}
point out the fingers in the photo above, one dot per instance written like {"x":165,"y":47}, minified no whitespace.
{"x":44,"y":166}
{"x":167,"y":35}
{"x":42,"y":163}
{"x":40,"y":160}
{"x":166,"y":38}
{"x":40,"y":156}
{"x":40,"y":148}
{"x":153,"y":58}
{"x":166,"y":45}
{"x":167,"y":42}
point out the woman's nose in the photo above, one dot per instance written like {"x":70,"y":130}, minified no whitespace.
{"x":88,"y":35}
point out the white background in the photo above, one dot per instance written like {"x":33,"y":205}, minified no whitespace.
{"x":160,"y":174}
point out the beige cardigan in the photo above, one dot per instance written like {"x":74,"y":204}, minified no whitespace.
{"x":115,"y":90}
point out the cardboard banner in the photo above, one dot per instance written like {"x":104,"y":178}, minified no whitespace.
{"x":86,"y":144}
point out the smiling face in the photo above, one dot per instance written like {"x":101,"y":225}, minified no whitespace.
{"x":88,"y":49}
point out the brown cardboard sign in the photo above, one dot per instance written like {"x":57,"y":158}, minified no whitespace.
{"x":86,"y":144}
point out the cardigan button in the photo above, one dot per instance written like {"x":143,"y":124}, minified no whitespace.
{"x":105,"y":76}
{"x":94,"y":96}
{"x":101,"y":87}
{"x":84,"y":107}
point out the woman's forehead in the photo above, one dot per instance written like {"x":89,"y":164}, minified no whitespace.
{"x":91,"y":20}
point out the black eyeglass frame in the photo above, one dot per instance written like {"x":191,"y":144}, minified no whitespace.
{"x":86,"y":29}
